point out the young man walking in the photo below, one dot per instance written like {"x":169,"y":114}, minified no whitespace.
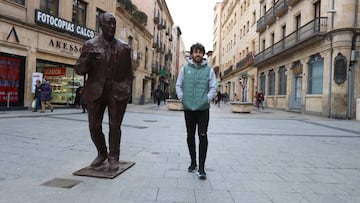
{"x":196,"y":87}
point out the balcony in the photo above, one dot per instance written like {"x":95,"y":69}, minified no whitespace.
{"x":306,"y":34}
{"x":269,"y":16}
{"x":280,"y":8}
{"x":155,"y":45}
{"x":159,"y":48}
{"x":228,"y":71}
{"x":261,"y":26}
{"x":155,"y":67}
{"x":249,"y":59}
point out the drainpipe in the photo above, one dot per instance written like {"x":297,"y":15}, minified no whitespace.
{"x":331,"y":60}
{"x":351,"y":73}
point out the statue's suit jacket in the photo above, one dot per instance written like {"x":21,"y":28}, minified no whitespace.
{"x":116,"y":67}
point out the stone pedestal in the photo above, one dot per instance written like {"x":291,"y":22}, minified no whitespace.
{"x":174,"y":105}
{"x":241,"y":107}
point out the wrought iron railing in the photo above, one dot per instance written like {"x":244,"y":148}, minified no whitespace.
{"x":316,"y":27}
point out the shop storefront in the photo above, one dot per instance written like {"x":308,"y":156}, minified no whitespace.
{"x":12,"y":69}
{"x":63,"y":80}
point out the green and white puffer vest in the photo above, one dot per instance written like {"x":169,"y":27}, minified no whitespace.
{"x":196,"y":88}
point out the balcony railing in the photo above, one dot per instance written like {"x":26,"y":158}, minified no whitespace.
{"x":316,"y":27}
{"x":279,"y":9}
{"x":269,"y":16}
{"x":155,"y":67}
{"x":260,"y":26}
{"x":228,"y":71}
{"x":246,"y":61}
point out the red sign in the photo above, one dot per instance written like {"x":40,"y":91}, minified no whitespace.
{"x":54,"y":71}
{"x":9,"y":79}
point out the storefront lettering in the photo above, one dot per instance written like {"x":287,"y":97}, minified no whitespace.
{"x":48,"y":20}
{"x":64,"y":46}
{"x":9,"y":83}
{"x":55,"y":71}
{"x":85,"y":32}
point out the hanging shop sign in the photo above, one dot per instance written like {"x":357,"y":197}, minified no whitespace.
{"x":54,"y":71}
{"x":60,"y":24}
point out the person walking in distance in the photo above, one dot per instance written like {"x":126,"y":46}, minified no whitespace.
{"x":260,"y":99}
{"x":196,"y":87}
{"x":107,"y":62}
{"x":158,"y":95}
{"x":46,"y":91}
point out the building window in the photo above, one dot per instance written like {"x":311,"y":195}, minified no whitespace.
{"x":263,"y":45}
{"x":253,"y":18}
{"x":99,"y":12}
{"x":282,"y":80}
{"x":271,"y":90}
{"x":22,"y":2}
{"x":262,"y":81}
{"x":272,"y":38}
{"x":50,"y":6}
{"x":315,"y":75}
{"x":79,"y":12}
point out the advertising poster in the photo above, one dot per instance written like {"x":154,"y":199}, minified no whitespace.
{"x":35,"y":76}
{"x":9,"y":79}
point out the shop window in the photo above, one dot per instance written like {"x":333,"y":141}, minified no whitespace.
{"x":315,"y":75}
{"x":50,"y":6}
{"x":79,"y":12}
{"x":99,"y":12}
{"x":282,"y":80}
{"x":11,"y":80}
{"x":22,"y":2}
{"x":271,"y":90}
{"x":63,"y":80}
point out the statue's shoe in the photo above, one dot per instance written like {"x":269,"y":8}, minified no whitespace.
{"x":113,"y":164}
{"x":98,"y":161}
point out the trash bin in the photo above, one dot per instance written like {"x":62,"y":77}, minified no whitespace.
{"x":358,"y":109}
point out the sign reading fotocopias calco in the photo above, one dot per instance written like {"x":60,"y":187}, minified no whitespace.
{"x":57,"y":23}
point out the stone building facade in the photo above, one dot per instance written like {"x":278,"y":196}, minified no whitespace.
{"x":164,"y":43}
{"x":305,"y":52}
{"x":308,"y":56}
{"x":44,"y":38}
{"x":235,"y":43}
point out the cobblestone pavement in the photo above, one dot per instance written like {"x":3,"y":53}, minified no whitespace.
{"x":264,"y":156}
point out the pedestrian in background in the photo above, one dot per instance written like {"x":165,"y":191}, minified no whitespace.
{"x":83,"y":100}
{"x":260,"y":99}
{"x":196,"y":87}
{"x":159,"y":95}
{"x":77,"y":97}
{"x":46,"y":91}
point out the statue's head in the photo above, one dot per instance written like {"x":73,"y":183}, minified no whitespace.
{"x":107,"y":23}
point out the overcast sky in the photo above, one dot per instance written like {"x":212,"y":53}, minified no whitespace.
{"x":195,"y":19}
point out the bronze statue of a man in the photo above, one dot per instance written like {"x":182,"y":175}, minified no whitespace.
{"x":107,"y":62}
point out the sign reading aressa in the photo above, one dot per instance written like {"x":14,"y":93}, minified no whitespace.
{"x":57,"y":23}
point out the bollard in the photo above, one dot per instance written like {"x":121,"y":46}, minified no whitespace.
{"x":8,"y":100}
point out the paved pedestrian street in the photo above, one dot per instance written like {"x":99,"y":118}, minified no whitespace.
{"x":262,"y":157}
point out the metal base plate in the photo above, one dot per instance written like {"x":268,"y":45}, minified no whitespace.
{"x":103,"y":171}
